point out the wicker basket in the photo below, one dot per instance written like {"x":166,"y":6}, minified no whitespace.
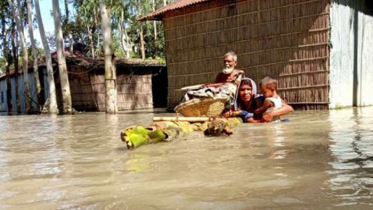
{"x":199,"y":107}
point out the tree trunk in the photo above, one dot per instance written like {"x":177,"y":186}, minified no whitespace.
{"x":7,"y":69}
{"x":71,"y":41}
{"x":66,"y":12}
{"x":164,"y":2}
{"x":16,"y":67}
{"x":110,"y":71}
{"x":97,"y":28}
{"x":90,"y":35}
{"x":142,"y":45}
{"x":65,"y":86}
{"x":34,"y":55}
{"x":123,"y":35}
{"x":128,"y":43}
{"x":48,"y":59}
{"x":70,"y":36}
{"x":27,"y":93}
{"x":154,"y":23}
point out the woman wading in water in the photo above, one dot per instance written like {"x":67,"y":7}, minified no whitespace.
{"x":248,"y":101}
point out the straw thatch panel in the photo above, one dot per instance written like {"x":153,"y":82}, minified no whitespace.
{"x":134,"y":86}
{"x":284,"y":39}
{"x":81,"y":86}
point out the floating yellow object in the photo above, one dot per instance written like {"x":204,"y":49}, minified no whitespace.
{"x":164,"y":131}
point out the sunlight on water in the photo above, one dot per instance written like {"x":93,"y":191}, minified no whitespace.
{"x":352,"y":147}
{"x":318,"y":160}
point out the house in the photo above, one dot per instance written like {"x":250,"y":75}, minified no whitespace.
{"x":21,"y":90}
{"x":319,"y":50}
{"x":140,"y":84}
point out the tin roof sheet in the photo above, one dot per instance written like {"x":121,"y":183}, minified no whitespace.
{"x":156,"y":15}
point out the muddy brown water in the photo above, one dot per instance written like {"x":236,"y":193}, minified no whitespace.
{"x":318,"y":160}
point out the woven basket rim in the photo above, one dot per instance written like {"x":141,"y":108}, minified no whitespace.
{"x":199,"y":100}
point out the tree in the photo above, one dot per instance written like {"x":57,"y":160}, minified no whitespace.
{"x":65,"y":86}
{"x":48,"y":59}
{"x":34,"y":54}
{"x":120,"y":12}
{"x":87,"y":23}
{"x":2,"y":65}
{"x":142,"y":44}
{"x":145,"y":36}
{"x":15,"y":45}
{"x":125,"y":28}
{"x":110,"y":71}
{"x":155,"y":23}
{"x":67,"y":27}
{"x":6,"y":58}
{"x":19,"y":24}
{"x":51,"y":39}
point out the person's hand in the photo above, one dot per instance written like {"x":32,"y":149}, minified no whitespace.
{"x":227,"y":114}
{"x":251,"y":120}
{"x":268,"y":117}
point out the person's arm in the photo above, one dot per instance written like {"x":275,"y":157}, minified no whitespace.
{"x":217,"y":82}
{"x":285,"y":109}
{"x":266,"y":105}
{"x":213,"y":84}
{"x":252,"y":120}
{"x":245,"y":115}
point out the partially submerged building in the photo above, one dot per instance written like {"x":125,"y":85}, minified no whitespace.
{"x":140,"y":84}
{"x":319,"y":50}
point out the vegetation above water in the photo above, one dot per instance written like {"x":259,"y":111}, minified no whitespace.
{"x":102,"y":28}
{"x":165,"y":131}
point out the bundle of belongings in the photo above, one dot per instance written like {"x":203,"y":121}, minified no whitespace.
{"x":203,"y":97}
{"x":225,"y":90}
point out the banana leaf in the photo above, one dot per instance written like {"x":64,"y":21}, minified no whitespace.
{"x":165,"y":131}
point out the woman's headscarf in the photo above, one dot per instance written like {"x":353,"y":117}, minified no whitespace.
{"x":247,"y":81}
{"x":253,"y":86}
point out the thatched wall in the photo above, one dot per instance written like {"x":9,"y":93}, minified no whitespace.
{"x":284,"y":39}
{"x":88,"y":89}
{"x":83,"y":87}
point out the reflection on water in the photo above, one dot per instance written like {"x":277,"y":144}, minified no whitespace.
{"x":318,"y":160}
{"x":352,"y":146}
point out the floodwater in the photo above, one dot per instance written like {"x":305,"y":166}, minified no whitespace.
{"x":318,"y":160}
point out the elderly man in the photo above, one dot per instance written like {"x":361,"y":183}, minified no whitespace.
{"x":226,"y":83}
{"x":229,"y":73}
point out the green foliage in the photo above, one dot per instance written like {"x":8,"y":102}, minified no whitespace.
{"x":154,"y":48}
{"x":84,"y":25}
{"x":2,"y":65}
{"x":125,"y":15}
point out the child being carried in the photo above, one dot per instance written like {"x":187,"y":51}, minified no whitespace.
{"x":268,"y":87}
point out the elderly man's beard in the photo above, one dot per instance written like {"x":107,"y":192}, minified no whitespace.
{"x":228,"y":70}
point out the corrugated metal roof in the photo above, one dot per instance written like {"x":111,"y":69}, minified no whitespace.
{"x":176,"y":5}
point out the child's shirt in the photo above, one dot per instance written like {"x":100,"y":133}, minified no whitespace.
{"x":277,"y":102}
